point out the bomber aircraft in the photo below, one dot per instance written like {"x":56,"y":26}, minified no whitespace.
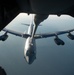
{"x":30,"y":36}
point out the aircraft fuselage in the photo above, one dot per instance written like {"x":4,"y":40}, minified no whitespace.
{"x":30,"y":46}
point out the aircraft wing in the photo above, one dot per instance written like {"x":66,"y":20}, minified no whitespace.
{"x":16,"y":33}
{"x":46,"y":35}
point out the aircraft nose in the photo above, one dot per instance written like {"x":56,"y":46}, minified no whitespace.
{"x":29,"y":63}
{"x":30,"y":53}
{"x":29,"y":59}
{"x":27,"y":53}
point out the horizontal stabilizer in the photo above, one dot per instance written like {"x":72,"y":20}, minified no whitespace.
{"x":29,"y":24}
{"x":26,"y":24}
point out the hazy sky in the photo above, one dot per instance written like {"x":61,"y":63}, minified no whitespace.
{"x":50,"y":59}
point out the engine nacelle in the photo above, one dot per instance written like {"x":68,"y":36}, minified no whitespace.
{"x":59,"y":41}
{"x":70,"y":36}
{"x":3,"y":37}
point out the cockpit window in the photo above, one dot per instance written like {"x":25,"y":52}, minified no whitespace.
{"x":30,"y":52}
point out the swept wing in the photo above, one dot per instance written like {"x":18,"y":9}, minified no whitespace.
{"x":20,"y":34}
{"x":46,"y":35}
{"x":38,"y":36}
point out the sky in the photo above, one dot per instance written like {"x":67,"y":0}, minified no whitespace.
{"x":50,"y":58}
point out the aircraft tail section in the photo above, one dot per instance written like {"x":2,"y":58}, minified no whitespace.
{"x":29,"y":24}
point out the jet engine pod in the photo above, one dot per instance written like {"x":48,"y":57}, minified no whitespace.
{"x":3,"y":37}
{"x":70,"y":36}
{"x":58,"y":41}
